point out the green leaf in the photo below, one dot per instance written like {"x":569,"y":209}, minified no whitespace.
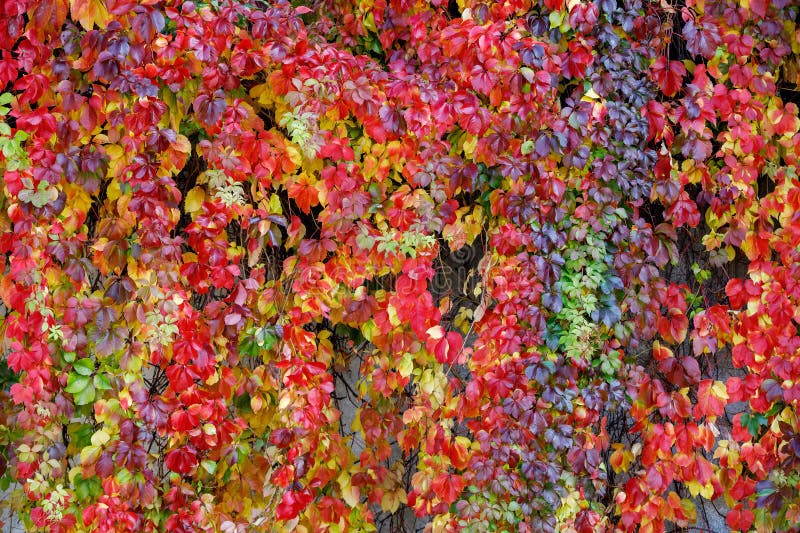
{"x":527,"y":147}
{"x":102,"y":382}
{"x":265,"y":338}
{"x":83,"y":367}
{"x":81,"y":388}
{"x":209,"y":466}
{"x":248,"y":346}
{"x":124,"y":476}
{"x":87,"y":488}
{"x":80,"y":434}
{"x":753,"y":422}
{"x":76,"y":383}
{"x":5,"y":480}
{"x":85,"y":397}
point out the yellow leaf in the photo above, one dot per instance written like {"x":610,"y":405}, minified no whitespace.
{"x":406,"y":365}
{"x":463,"y":319}
{"x":394,"y":320}
{"x":368,"y":330}
{"x":78,"y":199}
{"x":441,"y":522}
{"x":90,"y":454}
{"x":117,"y":159}
{"x":194,"y":200}
{"x":295,"y":156}
{"x":78,"y":204}
{"x":689,"y":509}
{"x":174,"y":115}
{"x":695,"y":488}
{"x":427,"y":382}
{"x":719,"y":390}
{"x":470,"y":143}
{"x":621,"y":459}
{"x":100,"y":437}
{"x":182,"y":144}
{"x":391,"y":500}
{"x":350,"y":494}
{"x":369,"y":24}
{"x":263,"y":93}
{"x":356,"y":424}
{"x":89,"y":13}
{"x":591,"y":95}
{"x":73,"y":472}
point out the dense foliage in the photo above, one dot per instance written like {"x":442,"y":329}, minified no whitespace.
{"x":505,"y":266}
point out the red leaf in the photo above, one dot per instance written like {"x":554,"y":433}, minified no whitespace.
{"x":445,"y":347}
{"x":120,"y":7}
{"x":708,"y":399}
{"x":669,"y":76}
{"x":148,"y":23}
{"x":783,"y":119}
{"x":337,"y":149}
{"x":448,"y":486}
{"x":8,"y":68}
{"x":673,"y":297}
{"x":587,"y":521}
{"x":739,"y":518}
{"x":183,"y":460}
{"x":656,"y":115}
{"x":183,"y":420}
{"x":691,"y":369}
{"x":680,"y":372}
{"x":673,"y":327}
{"x":40,"y":122}
{"x":654,"y":478}
{"x":181,"y":377}
{"x":292,"y":503}
{"x":459,"y":454}
{"x":684,"y":211}
{"x":736,"y":389}
{"x":33,"y":87}
{"x":740,"y":292}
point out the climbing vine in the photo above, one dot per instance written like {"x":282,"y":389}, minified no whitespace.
{"x":399,"y":265}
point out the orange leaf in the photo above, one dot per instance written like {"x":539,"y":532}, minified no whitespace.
{"x":89,"y":13}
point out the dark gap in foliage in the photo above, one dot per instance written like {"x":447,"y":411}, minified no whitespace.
{"x":93,"y":214}
{"x":764,"y":185}
{"x":652,"y":212}
{"x":309,"y":220}
{"x":789,"y":91}
{"x":457,"y":272}
{"x":185,"y":182}
{"x":453,"y":9}
{"x":268,"y":116}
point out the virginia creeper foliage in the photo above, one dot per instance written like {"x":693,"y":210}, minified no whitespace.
{"x":392,"y":264}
